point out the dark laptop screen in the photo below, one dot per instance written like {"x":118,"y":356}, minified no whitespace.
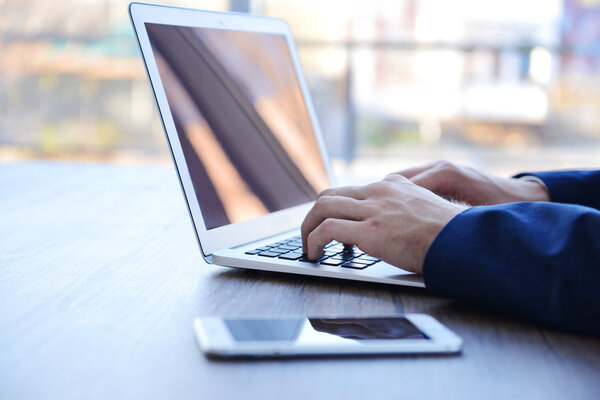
{"x":241,"y":120}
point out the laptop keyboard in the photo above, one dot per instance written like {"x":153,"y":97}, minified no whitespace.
{"x":334,"y":254}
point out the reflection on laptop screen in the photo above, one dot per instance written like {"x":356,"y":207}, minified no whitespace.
{"x":241,"y":120}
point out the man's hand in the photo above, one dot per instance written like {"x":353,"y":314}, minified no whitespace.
{"x":393,"y":219}
{"x":472,"y":186}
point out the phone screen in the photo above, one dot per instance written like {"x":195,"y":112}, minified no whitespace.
{"x":323,"y":330}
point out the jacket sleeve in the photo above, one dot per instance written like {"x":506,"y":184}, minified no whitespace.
{"x":540,"y":261}
{"x":572,"y":187}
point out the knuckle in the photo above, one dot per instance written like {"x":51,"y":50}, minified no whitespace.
{"x":373,"y":224}
{"x":325,"y":193}
{"x":370,"y":207}
{"x":328,"y":225}
{"x":397,"y":178}
{"x":323,"y":201}
{"x":446,"y":166}
{"x":379,"y":188}
{"x":374,"y":187}
{"x":446,"y":170}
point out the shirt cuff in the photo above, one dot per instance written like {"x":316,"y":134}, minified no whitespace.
{"x":437,"y":273}
{"x":531,"y":178}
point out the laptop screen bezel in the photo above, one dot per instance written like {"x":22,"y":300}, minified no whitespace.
{"x":240,"y":233}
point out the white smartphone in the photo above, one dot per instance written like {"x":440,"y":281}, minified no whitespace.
{"x":311,"y":336}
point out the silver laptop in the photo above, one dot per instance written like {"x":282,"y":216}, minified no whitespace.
{"x":245,"y":140}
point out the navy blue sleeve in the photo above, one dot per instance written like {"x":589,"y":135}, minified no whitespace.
{"x":572,"y":187}
{"x":540,"y":261}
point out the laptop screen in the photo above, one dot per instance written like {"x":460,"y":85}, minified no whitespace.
{"x":241,"y":120}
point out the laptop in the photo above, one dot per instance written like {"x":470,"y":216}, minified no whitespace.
{"x":245,"y":140}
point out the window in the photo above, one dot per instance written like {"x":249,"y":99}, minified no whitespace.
{"x":505,"y":85}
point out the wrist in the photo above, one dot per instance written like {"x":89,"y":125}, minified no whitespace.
{"x":445,"y":215}
{"x":533,"y":189}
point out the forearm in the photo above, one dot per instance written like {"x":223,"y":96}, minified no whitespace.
{"x":540,"y":261}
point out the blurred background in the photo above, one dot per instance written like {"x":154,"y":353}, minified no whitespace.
{"x":506,"y":85}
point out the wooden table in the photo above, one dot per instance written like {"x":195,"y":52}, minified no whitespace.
{"x":101,"y":278}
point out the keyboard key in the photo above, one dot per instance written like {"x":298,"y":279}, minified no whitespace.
{"x":268,"y":254}
{"x":354,"y":265}
{"x":351,"y":250}
{"x":288,"y":247}
{"x":366,"y":262}
{"x":290,"y":256}
{"x":335,"y":253}
{"x":332,"y":261}
{"x":368,"y":258}
{"x":304,"y":259}
{"x":346,"y":256}
{"x":278,"y":250}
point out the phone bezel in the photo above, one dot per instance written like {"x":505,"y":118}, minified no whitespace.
{"x":215,"y":340}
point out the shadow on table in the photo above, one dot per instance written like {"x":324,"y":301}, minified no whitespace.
{"x":467,"y":319}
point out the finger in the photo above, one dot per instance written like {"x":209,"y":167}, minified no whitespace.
{"x":410,"y":172}
{"x":355,"y":192}
{"x":396,"y":178}
{"x":432,"y":179}
{"x":341,"y":230}
{"x":338,"y":207}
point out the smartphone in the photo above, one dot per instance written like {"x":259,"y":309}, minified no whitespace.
{"x":324,"y":336}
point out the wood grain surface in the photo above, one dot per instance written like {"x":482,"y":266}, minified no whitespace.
{"x":101,"y":278}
